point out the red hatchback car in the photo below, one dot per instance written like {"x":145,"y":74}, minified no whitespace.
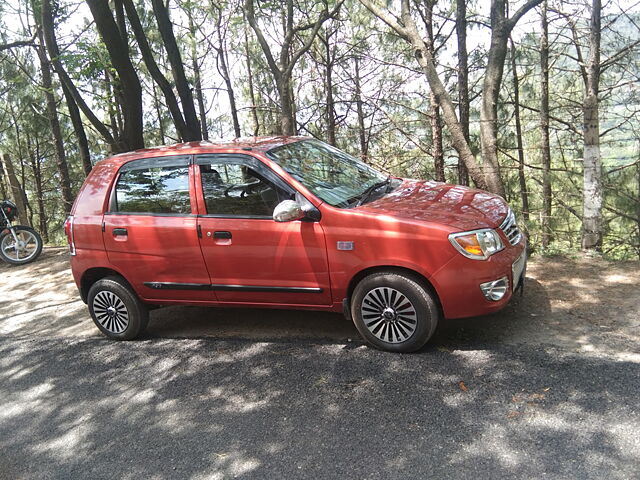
{"x":288,"y":222}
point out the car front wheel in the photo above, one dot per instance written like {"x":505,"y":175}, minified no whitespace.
{"x":393,"y":312}
{"x":116,"y":310}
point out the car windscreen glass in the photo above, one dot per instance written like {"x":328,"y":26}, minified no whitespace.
{"x":334,"y":176}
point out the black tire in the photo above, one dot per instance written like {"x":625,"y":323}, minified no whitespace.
{"x":116,"y":310}
{"x":397,"y":322}
{"x":7,"y":245}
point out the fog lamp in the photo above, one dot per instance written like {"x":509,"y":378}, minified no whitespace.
{"x":495,"y":290}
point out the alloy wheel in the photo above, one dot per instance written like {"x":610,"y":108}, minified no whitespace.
{"x":110,"y":311}
{"x":389,"y":315}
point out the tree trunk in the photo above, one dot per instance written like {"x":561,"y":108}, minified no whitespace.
{"x":638,"y":206}
{"x":330,"y":110}
{"x":37,"y":180}
{"x":592,"y":230}
{"x":154,"y":70}
{"x":17,"y":191}
{"x":175,"y":59}
{"x":254,"y":107}
{"x":114,"y":124}
{"x":463,"y":82}
{"x":197,"y":82}
{"x":78,"y":128}
{"x":158,"y":108}
{"x":362,"y":133}
{"x":434,"y":116}
{"x":224,"y":71}
{"x":287,"y":126}
{"x":489,"y":105}
{"x":524,"y":192}
{"x":544,"y":129}
{"x":436,"y":139}
{"x":131,"y":90}
{"x":54,"y":124}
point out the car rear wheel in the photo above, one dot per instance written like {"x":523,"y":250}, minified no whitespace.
{"x":116,"y":310}
{"x":394,"y":312}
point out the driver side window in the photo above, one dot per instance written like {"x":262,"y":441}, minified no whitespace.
{"x":232,"y":188}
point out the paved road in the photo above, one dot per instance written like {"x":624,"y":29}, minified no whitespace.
{"x":292,"y":408}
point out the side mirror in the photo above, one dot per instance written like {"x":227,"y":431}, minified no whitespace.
{"x":288,"y":211}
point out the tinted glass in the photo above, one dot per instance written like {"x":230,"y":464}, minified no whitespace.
{"x":154,"y":190}
{"x":235,"y":189}
{"x":334,"y":176}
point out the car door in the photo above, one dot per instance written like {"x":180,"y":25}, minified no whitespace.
{"x":250,"y":257}
{"x":150,"y":231}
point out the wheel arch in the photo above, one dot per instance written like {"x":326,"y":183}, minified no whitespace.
{"x":417,"y":276}
{"x":92,"y":275}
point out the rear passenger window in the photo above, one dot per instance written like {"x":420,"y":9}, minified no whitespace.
{"x":154,"y":190}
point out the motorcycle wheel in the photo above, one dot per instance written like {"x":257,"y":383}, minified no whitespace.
{"x":25,"y":250}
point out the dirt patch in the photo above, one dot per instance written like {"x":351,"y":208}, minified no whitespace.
{"x":586,"y":304}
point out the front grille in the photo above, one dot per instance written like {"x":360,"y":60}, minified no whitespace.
{"x":510,"y":228}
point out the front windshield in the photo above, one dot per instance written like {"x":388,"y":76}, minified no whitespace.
{"x":334,"y":176}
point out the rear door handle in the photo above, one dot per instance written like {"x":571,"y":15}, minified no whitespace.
{"x":222,"y":234}
{"x":119,"y":231}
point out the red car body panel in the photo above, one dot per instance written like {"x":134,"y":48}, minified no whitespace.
{"x":408,"y":228}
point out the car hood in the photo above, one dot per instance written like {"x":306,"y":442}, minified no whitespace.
{"x":461,"y":208}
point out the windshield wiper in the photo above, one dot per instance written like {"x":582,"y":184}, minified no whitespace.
{"x":364,"y":196}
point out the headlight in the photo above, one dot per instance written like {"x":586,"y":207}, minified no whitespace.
{"x":477,"y":244}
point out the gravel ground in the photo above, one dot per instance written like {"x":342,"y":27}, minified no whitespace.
{"x":547,"y":388}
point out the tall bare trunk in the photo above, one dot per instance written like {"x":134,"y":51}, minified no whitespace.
{"x":226,"y":76}
{"x":254,"y":107}
{"x":34,"y":158}
{"x":463,"y":82}
{"x":436,"y":139}
{"x":197,"y":82}
{"x":287,"y":122}
{"x":592,"y":229}
{"x":17,"y":192}
{"x":524,"y":193}
{"x":435,"y":121}
{"x":544,"y":128}
{"x":177,"y":68}
{"x":158,"y":107}
{"x":330,"y":110}
{"x":638,"y":206}
{"x":78,"y":128}
{"x":56,"y":132}
{"x":362,"y":133}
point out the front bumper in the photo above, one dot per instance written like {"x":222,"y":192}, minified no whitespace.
{"x":458,"y":282}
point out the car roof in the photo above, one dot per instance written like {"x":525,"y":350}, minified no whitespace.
{"x":260,"y":144}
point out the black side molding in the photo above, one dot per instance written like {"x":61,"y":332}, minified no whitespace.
{"x":257,"y":288}
{"x":177,"y":286}
{"x":220,"y":287}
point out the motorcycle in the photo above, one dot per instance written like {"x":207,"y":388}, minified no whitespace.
{"x":19,"y":244}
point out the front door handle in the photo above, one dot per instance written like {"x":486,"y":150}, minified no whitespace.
{"x":222,"y":234}
{"x":120,"y":231}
